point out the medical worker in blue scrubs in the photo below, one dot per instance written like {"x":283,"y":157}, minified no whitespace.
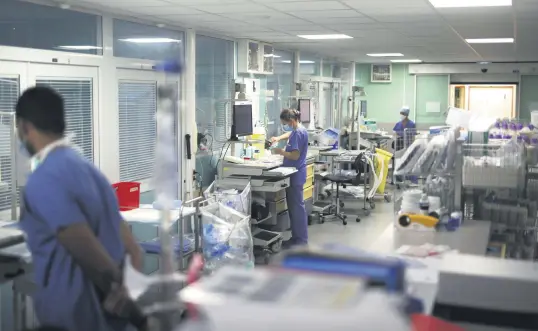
{"x":404,"y":127}
{"x":75,"y":232}
{"x":295,"y":156}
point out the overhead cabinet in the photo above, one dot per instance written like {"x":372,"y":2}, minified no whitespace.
{"x":254,"y":57}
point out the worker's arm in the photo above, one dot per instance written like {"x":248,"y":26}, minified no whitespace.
{"x":87,"y":252}
{"x":131,"y":246}
{"x":293,"y":155}
{"x":58,"y":207}
{"x":286,"y":135}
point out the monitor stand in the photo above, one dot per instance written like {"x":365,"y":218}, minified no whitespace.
{"x":233,"y":135}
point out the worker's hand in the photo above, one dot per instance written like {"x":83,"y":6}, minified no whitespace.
{"x":278,"y":151}
{"x":117,"y":301}
{"x":274,"y":139}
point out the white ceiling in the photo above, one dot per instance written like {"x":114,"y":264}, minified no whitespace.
{"x":411,"y":27}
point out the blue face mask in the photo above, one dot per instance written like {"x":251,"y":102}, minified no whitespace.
{"x":287,"y":128}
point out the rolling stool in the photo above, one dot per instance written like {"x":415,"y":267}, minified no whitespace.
{"x":334,"y":210}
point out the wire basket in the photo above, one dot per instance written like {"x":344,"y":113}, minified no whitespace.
{"x":235,"y":194}
{"x":493,"y":166}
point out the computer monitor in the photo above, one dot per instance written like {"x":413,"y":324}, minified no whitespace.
{"x":242,"y":120}
{"x":304,"y":110}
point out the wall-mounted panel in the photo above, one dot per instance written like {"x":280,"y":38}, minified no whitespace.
{"x":432,"y":99}
{"x":528,"y":96}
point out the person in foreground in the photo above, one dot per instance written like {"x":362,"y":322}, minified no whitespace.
{"x":75,"y":232}
{"x":295,"y":156}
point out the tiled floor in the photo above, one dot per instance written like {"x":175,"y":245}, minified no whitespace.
{"x":357,"y":235}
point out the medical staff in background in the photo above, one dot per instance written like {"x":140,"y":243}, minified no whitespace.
{"x":405,"y":129}
{"x":295,"y":156}
{"x":75,"y":232}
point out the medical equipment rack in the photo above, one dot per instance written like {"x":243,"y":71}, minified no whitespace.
{"x":498,"y":186}
{"x":445,"y":184}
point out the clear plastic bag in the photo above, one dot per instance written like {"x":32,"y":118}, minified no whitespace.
{"x":227,"y":238}
{"x":406,"y":163}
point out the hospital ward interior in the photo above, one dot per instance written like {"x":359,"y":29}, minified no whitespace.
{"x":304,"y":146}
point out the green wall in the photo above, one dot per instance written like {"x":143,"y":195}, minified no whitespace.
{"x":432,"y":88}
{"x":384,"y":100}
{"x":528,"y":96}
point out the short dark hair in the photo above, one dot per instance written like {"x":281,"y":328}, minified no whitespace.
{"x":289,"y":114}
{"x":44,"y":108}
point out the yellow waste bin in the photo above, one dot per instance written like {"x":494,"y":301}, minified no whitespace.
{"x":382,"y":157}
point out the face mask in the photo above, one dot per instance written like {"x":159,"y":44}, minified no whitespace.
{"x":403,"y":117}
{"x":23,"y":148}
{"x":287,"y":128}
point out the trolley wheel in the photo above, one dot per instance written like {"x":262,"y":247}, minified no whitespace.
{"x":398,"y":186}
{"x":344,"y":222}
{"x":341,"y":204}
{"x":329,"y":193}
{"x":358,"y":219}
{"x":372,"y":205}
{"x":387,"y":198}
{"x":367,"y":212}
{"x":322,"y":220}
{"x":309,"y":219}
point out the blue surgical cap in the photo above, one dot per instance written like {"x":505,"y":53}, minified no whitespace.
{"x":405,"y":111}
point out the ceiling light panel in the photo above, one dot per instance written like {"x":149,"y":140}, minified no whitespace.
{"x":406,"y":61}
{"x":301,"y":6}
{"x":470,"y":3}
{"x":490,"y":41}
{"x":164,"y":10}
{"x":325,"y":36}
{"x":385,"y":54}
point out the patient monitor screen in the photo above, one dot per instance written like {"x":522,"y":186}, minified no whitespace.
{"x":304,"y":109}
{"x":242,"y":119}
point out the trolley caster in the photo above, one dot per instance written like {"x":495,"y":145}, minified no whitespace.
{"x":341,"y":205}
{"x":309,"y":219}
{"x":387,"y":198}
{"x":322,"y":220}
{"x":372,"y":205}
{"x":358,"y":220}
{"x":398,"y":187}
{"x":366,"y":212}
{"x":328,"y":193}
{"x":344,"y":222}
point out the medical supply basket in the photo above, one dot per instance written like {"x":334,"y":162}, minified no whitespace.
{"x":235,"y":193}
{"x":498,"y":187}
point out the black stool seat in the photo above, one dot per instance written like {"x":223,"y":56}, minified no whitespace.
{"x":340,"y":179}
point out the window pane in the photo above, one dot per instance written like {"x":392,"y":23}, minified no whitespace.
{"x":139,"y":41}
{"x":214,"y":75}
{"x":78,"y":99}
{"x":309,"y":64}
{"x":138,"y":129}
{"x":9,"y":93}
{"x":24,"y":24}
{"x":281,"y":84}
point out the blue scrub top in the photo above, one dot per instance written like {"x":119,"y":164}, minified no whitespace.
{"x":67,"y":189}
{"x":298,"y":141}
{"x":400,"y":127}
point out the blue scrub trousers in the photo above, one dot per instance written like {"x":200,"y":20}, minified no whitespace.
{"x":297,"y":213}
